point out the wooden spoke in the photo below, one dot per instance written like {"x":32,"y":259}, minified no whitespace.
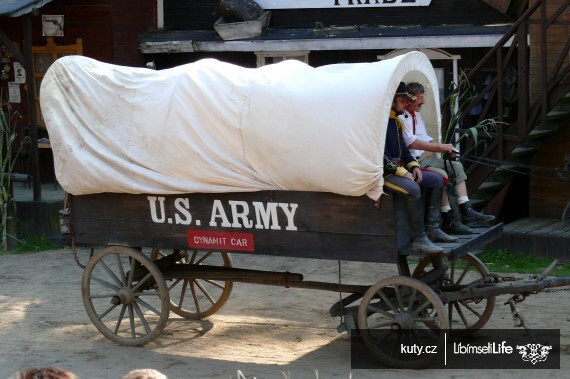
{"x":384,"y":327}
{"x":465,"y":317}
{"x":205,"y":296}
{"x":110,"y":277}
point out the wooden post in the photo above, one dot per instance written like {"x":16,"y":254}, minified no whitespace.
{"x":30,"y":82}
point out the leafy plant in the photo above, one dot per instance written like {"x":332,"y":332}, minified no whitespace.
{"x":7,"y":138}
{"x":462,"y":95}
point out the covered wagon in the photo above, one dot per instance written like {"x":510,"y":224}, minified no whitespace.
{"x":173,"y":170}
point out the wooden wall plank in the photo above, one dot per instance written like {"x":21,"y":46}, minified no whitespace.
{"x":549,"y":194}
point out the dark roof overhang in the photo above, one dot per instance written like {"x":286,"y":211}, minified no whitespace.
{"x":359,"y":38}
{"x":17,"y":8}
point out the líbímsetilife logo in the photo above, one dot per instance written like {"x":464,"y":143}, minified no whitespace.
{"x":482,"y":349}
{"x":534,"y":352}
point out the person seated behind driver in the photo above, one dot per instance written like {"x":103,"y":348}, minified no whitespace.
{"x":403,"y":176}
{"x":418,"y":141}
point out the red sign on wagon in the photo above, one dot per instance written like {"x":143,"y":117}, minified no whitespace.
{"x":216,"y":240}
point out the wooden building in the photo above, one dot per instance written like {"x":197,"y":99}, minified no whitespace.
{"x":324,"y":32}
{"x":33,"y":33}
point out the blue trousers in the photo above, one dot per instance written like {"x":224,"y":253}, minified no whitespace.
{"x":407,"y":187}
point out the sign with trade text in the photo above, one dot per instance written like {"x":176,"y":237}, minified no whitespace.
{"x":301,"y":4}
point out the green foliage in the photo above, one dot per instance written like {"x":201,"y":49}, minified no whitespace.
{"x":7,"y":138}
{"x":31,"y":244}
{"x":463,"y":94}
{"x":503,"y":261}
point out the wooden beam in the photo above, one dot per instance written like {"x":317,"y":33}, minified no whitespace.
{"x":30,"y":82}
{"x":441,"y":42}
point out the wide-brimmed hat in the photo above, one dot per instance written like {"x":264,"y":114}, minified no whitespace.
{"x":402,"y":92}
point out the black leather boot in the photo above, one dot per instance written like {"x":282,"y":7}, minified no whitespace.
{"x":472,"y":218}
{"x":421,"y":242}
{"x":433,"y":217}
{"x":452,"y":225}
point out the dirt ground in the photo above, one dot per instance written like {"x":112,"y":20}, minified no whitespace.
{"x":262,"y":331}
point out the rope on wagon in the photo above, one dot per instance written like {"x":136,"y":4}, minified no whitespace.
{"x":497,"y":163}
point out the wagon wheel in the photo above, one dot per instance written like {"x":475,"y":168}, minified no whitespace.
{"x":396,"y":311}
{"x":198,"y":298}
{"x":465,"y":316}
{"x":125,"y":296}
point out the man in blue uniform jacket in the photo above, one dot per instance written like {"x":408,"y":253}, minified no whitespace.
{"x":404,"y":176}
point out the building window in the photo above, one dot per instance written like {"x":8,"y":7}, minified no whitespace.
{"x":43,"y":57}
{"x":271,"y":57}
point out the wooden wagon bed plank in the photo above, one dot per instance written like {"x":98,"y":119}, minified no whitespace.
{"x":320,"y":245}
{"x":278,"y":223}
{"x":335,"y":214}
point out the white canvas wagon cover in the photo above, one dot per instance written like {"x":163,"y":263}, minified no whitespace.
{"x":211,"y":126}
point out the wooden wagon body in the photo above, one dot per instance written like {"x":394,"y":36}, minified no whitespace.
{"x":281,"y":223}
{"x":128,"y":295}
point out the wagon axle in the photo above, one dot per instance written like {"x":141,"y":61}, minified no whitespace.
{"x":124,"y":296}
{"x":402,"y":322}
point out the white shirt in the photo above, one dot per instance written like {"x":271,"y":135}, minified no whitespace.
{"x":420,"y":132}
